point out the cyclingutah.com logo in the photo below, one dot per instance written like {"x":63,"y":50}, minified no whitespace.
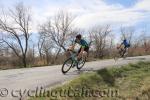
{"x":55,"y":93}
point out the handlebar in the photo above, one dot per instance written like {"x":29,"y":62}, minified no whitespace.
{"x":71,"y":50}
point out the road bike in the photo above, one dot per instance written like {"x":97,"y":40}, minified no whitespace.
{"x":72,"y":62}
{"x":120,"y":53}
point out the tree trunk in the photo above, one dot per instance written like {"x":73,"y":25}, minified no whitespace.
{"x":24,"y":61}
{"x":47,"y":58}
{"x":56,"y":56}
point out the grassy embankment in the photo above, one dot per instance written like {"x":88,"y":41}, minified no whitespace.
{"x":130,"y":82}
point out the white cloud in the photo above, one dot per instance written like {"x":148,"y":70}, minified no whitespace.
{"x":89,"y":12}
{"x":113,"y":14}
{"x":93,"y":12}
{"x":143,"y":5}
{"x":109,"y":17}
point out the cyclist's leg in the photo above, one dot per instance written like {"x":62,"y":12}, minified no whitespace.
{"x":76,"y":58}
{"x":79,"y":56}
{"x":82,"y":53}
{"x":85,"y":53}
{"x":126,"y":51}
{"x":121,"y":49}
{"x":79,"y":51}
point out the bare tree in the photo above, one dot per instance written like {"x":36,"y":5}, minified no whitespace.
{"x":99,"y":37}
{"x":127,"y":33}
{"x":41,"y":41}
{"x":1,"y":45}
{"x":145,"y":40}
{"x":1,"y":49}
{"x":16,"y":32}
{"x":31,"y":55}
{"x":47,"y":50}
{"x":45,"y":47}
{"x":59,"y":31}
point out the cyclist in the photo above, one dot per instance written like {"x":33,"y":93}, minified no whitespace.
{"x":83,"y":51}
{"x":126,"y":45}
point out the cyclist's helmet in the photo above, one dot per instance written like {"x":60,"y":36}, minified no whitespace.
{"x":78,"y":36}
{"x":124,"y":40}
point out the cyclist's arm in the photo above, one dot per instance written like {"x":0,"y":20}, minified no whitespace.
{"x":72,"y":47}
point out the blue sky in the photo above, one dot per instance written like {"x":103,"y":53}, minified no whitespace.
{"x":117,"y":13}
{"x":126,"y":3}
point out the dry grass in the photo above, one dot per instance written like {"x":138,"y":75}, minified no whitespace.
{"x":132,"y":82}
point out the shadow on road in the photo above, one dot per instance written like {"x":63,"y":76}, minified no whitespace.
{"x":135,"y":58}
{"x":77,"y":72}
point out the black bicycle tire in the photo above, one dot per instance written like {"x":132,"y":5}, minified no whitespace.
{"x":81,"y":66}
{"x":62,"y":69}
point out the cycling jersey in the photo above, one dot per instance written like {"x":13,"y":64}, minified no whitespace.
{"x":83,"y":43}
{"x":126,"y":44}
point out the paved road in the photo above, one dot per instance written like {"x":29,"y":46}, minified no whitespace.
{"x":19,"y":82}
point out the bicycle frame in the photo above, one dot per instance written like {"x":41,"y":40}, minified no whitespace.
{"x":73,"y":54}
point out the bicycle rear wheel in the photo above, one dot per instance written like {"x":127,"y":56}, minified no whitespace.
{"x":81,"y":63}
{"x":67,"y":65}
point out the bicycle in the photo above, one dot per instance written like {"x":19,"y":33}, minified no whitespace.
{"x":121,"y":53}
{"x":72,"y":62}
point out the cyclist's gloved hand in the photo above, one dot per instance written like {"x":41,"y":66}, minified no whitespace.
{"x":70,"y":48}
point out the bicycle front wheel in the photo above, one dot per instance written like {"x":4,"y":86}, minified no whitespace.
{"x":67,"y":65}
